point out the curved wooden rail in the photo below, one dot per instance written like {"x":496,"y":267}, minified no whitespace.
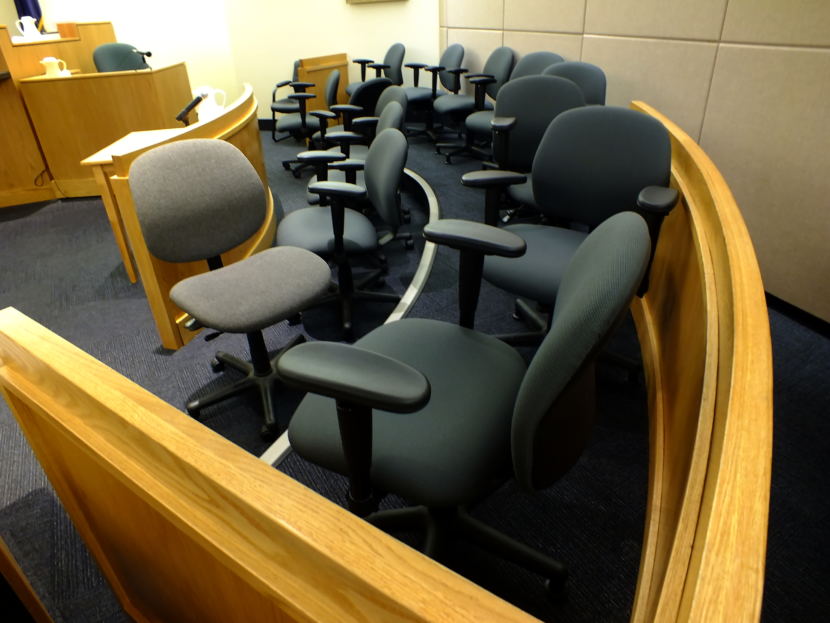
{"x":186,"y":526}
{"x":704,"y":333}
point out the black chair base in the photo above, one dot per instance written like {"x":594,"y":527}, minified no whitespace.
{"x":295,"y":171}
{"x":445,"y":525}
{"x":467,"y":148}
{"x":260,"y":373}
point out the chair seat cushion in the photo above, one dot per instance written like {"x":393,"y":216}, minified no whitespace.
{"x":256,"y":292}
{"x":286,"y":105}
{"x":538,"y":273}
{"x":420,"y":94}
{"x":456,"y":104}
{"x":294,"y":123}
{"x":479,"y":122}
{"x":450,"y":451}
{"x":310,"y":228}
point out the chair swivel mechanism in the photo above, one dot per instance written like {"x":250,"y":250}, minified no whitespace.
{"x":195,"y":200}
{"x":442,"y":415}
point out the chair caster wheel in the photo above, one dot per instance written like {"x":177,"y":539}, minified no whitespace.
{"x":406,"y":218}
{"x":555,"y":589}
{"x":295,"y":320}
{"x":217,"y":365}
{"x":286,"y":166}
{"x":192,"y":409}
{"x":409,"y":244}
{"x":296,"y":174}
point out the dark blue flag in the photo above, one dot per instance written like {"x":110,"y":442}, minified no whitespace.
{"x":30,"y":7}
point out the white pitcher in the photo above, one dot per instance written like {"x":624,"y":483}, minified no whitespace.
{"x":54,"y":67}
{"x":212,"y":104}
{"x":27,"y":26}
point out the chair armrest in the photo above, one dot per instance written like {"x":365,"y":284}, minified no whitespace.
{"x":476,"y":237}
{"x":416,"y":69}
{"x":346,"y":108}
{"x":434,"y":68}
{"x":348,"y":165}
{"x":365,"y":123}
{"x":344,"y":136}
{"x":323,"y":114}
{"x":657,"y":200}
{"x":492,"y":178}
{"x":363,"y":62}
{"x":301,"y":96}
{"x":458,"y":71}
{"x":416,"y":65}
{"x":282,"y":83}
{"x":343,"y":190}
{"x":502,"y":124}
{"x":378,"y":67}
{"x":354,"y":375}
{"x":318,"y":156}
{"x":301,"y":86}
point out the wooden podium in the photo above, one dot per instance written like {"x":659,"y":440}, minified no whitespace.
{"x":50,"y":124}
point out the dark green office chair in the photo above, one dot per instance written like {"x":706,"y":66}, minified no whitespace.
{"x":592,"y":163}
{"x":446,"y":74}
{"x":389,"y":68}
{"x":195,"y":200}
{"x":119,"y":57}
{"x":588,"y":77}
{"x":442,"y":415}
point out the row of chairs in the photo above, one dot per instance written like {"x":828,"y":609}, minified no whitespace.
{"x":482,"y":415}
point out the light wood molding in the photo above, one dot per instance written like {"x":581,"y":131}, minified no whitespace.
{"x":111,"y":166}
{"x":187,"y":526}
{"x":317,"y":70}
{"x":704,"y":332}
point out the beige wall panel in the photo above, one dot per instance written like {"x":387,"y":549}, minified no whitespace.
{"x":475,"y":13}
{"x":673,"y":76}
{"x":544,"y":15}
{"x":477,"y":47}
{"x":568,"y":46}
{"x":805,"y":22}
{"x":681,"y":19}
{"x":442,"y":38}
{"x":771,"y":143}
{"x":442,"y":12}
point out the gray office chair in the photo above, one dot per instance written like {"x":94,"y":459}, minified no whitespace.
{"x":195,"y":200}
{"x":477,"y":124}
{"x":524,"y":110}
{"x":286,"y":105}
{"x":119,"y":57}
{"x":442,"y":415}
{"x":456,"y":107}
{"x":592,"y":163}
{"x":447,"y":73}
{"x":303,"y":124}
{"x":389,"y":68}
{"x":337,"y":232}
{"x":588,"y":77}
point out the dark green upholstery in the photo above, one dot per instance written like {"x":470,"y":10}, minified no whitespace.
{"x":489,"y":418}
{"x":118,"y":57}
{"x":393,"y":59}
{"x":588,"y":77}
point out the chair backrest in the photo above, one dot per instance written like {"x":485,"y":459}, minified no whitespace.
{"x":588,"y":77}
{"x":295,"y":71}
{"x":330,"y":89}
{"x":117,"y":57}
{"x":534,"y":101}
{"x":534,"y":63}
{"x":593,"y":162}
{"x":554,"y":408}
{"x":382,"y":174}
{"x":391,"y":94}
{"x":499,"y":65}
{"x":392,"y":116}
{"x":394,"y":58}
{"x":366,"y":94}
{"x":196,"y":199}
{"x":452,"y":58}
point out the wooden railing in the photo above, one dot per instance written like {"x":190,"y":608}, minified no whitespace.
{"x":187,"y":526}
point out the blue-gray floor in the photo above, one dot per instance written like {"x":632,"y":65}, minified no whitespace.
{"x":59,"y":264}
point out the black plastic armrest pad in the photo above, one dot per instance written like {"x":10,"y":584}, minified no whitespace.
{"x":337,"y":189}
{"x":492,"y":177}
{"x":434,"y":68}
{"x":344,"y":108}
{"x":500,"y":124}
{"x":355,"y":376}
{"x":365,"y":122}
{"x":344,"y":136}
{"x":472,"y":236}
{"x":458,"y":70}
{"x":481,"y":79}
{"x":657,"y":199}
{"x":318,"y":155}
{"x":301,"y":96}
{"x":353,"y":164}
{"x":416,"y":65}
{"x":323,"y":114}
{"x":363,"y":61}
{"x":301,"y":85}
{"x":379,"y":66}
{"x":282,"y":83}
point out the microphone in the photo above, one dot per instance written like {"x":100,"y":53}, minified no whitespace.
{"x":182,"y":116}
{"x":144,"y":55}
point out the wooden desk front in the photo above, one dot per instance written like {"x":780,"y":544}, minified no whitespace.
{"x":77,"y":115}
